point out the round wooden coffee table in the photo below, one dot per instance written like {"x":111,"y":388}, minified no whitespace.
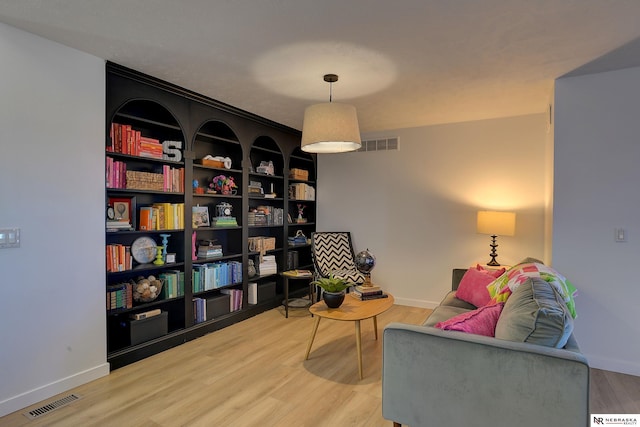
{"x":352,"y":310}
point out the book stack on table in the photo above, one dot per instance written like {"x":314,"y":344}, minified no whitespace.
{"x":298,"y":273}
{"x":364,"y":293}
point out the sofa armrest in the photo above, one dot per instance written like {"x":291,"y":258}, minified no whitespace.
{"x":448,"y":378}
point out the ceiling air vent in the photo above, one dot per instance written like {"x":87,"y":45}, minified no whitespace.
{"x":381,"y":144}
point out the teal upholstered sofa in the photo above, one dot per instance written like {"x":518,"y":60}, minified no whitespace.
{"x":435,"y":377}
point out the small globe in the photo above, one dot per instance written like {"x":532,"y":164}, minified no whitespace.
{"x":365,"y":261}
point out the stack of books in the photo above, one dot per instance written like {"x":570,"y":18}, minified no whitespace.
{"x":257,"y":218}
{"x":209,"y":251}
{"x":297,"y":240}
{"x":268,"y":265}
{"x":298,"y":273}
{"x":364,"y":293}
{"x":255,"y":189}
{"x":225,"y":221}
{"x":118,"y":225}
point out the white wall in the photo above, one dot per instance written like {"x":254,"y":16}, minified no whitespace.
{"x":52,"y":322}
{"x":597,"y":151}
{"x":415,"y":208}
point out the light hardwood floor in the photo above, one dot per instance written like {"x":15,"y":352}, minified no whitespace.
{"x":254,"y":374}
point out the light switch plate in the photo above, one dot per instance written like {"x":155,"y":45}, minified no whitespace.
{"x":9,"y":238}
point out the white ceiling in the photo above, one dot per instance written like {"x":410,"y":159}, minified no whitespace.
{"x":402,"y":63}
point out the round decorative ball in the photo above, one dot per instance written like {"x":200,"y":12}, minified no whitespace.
{"x":365,"y":261}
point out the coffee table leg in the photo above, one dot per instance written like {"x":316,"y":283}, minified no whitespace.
{"x":359,"y":348}
{"x":313,"y":336}
{"x":375,"y":326}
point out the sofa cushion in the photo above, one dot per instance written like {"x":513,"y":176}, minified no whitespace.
{"x":502,"y":287}
{"x":451,"y":300}
{"x":481,"y":321}
{"x":535,"y":313}
{"x":473,"y":286}
{"x":444,"y":312}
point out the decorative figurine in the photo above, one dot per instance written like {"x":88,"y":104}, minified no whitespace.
{"x":196,"y":187}
{"x":300,"y":211}
{"x":159,"y":260}
{"x":165,"y":243}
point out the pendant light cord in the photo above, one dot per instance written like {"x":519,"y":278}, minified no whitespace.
{"x":330,"y":78}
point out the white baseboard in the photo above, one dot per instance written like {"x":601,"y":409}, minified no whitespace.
{"x":46,"y":391}
{"x":607,"y":364}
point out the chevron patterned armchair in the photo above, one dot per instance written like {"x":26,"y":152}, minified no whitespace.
{"x":332,"y":253}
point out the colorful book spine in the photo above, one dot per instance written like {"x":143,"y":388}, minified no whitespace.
{"x":118,"y":258}
{"x":124,"y":139}
{"x":115,"y":173}
{"x":119,"y":296}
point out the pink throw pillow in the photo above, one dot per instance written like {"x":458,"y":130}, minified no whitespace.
{"x":473,"y":286}
{"x":494,"y":273}
{"x":481,"y":321}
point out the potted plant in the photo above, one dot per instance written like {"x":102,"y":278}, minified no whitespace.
{"x":333,"y":290}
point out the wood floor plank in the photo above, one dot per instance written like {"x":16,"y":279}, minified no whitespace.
{"x":254,"y":374}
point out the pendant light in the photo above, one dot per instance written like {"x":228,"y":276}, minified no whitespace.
{"x":330,"y":127}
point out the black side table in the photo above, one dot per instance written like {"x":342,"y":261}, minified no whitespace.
{"x":286,"y":278}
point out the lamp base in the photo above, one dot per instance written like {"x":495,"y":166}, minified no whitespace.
{"x":493,"y":253}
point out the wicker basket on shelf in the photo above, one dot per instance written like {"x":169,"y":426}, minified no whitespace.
{"x":147,"y":290}
{"x":137,"y":180}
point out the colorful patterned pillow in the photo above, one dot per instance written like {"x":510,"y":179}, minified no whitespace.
{"x":503,"y":286}
{"x":473,"y":286}
{"x":480,"y":322}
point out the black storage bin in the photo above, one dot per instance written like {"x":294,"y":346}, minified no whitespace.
{"x":147,"y":329}
{"x":218,"y":306}
{"x":266,"y":291}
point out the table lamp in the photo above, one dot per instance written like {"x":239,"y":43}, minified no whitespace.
{"x":496,"y":224}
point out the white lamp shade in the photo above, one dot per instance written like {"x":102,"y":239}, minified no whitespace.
{"x":496,"y":223}
{"x":330,"y":127}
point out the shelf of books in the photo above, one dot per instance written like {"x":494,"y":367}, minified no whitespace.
{"x":301,"y":205}
{"x":144,"y":253}
{"x":199,"y":214}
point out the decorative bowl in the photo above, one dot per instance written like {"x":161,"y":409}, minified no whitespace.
{"x":147,"y":290}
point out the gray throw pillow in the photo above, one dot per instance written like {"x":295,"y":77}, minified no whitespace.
{"x":535,"y":313}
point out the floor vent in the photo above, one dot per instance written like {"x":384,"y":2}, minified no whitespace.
{"x":52,"y":406}
{"x":381,"y":144}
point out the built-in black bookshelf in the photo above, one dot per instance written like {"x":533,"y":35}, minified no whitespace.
{"x":198,"y":139}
